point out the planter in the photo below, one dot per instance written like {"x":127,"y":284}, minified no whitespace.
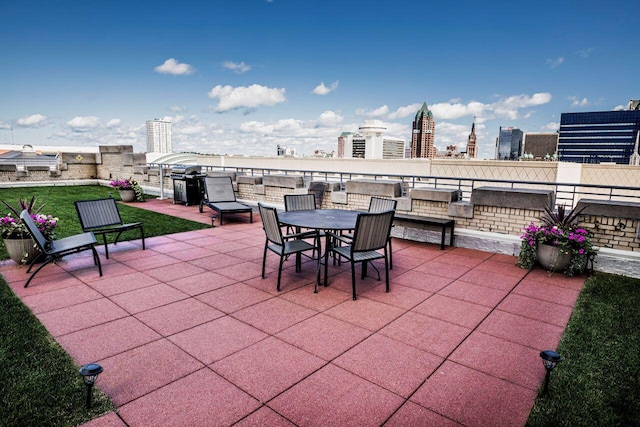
{"x":16,"y":248}
{"x":127,"y":195}
{"x":552,"y":259}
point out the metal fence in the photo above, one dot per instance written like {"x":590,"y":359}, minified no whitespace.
{"x":566,"y":193}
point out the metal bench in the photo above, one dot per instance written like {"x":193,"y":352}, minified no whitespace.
{"x":442,"y":223}
{"x":101,"y":216}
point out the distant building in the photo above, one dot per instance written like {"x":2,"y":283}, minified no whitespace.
{"x":541,"y":146}
{"x":472,"y":145}
{"x":422,"y":138}
{"x":634,"y":104}
{"x":286,"y":151}
{"x":598,"y":137}
{"x":509,"y":144}
{"x":370,"y":143}
{"x":159,"y":136}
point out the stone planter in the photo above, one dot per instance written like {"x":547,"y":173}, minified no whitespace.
{"x":127,"y":195}
{"x":552,"y":259}
{"x":17,"y":248}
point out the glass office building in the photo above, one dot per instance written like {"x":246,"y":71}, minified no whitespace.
{"x":598,"y":137}
{"x":509,"y":144}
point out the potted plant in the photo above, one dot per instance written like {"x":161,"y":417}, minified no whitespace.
{"x":17,"y":240}
{"x":558,"y":244}
{"x":130,"y":190}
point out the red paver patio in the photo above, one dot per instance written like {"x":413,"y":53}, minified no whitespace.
{"x":455,"y":342}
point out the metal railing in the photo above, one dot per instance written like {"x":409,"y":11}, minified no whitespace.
{"x":566,"y":193}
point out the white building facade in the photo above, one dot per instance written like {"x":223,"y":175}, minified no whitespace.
{"x":159,"y":136}
{"x":370,"y":143}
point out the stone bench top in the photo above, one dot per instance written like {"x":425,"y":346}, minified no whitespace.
{"x":424,"y":219}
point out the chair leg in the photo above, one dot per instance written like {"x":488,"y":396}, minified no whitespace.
{"x":264,"y":258}
{"x":390,"y":255}
{"x":142,"y":235}
{"x":386,"y":268}
{"x":47,"y":261}
{"x":280,"y":271}
{"x":96,"y":259}
{"x":353,"y":279}
{"x":106,"y":247}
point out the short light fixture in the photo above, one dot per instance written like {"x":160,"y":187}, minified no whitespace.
{"x":549,"y":359}
{"x":90,"y":374}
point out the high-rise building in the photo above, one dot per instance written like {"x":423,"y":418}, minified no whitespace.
{"x":422,"y":138}
{"x":472,"y":146}
{"x":509,"y":144}
{"x":598,"y":137}
{"x":541,"y":146}
{"x":370,"y":143}
{"x":159,"y":136}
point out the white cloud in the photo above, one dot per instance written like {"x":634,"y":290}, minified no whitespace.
{"x":405,"y":111}
{"x":257,"y":127}
{"x":114,"y":123}
{"x":177,"y":108}
{"x":508,"y":107}
{"x":191,"y":130}
{"x":619,"y":108}
{"x":449,"y":111}
{"x":584,"y":53}
{"x":253,"y":96}
{"x":82,"y":124}
{"x":329,"y":118}
{"x":577,"y":102}
{"x":5,"y":126}
{"x":321,"y":89}
{"x":553,"y":63}
{"x":34,"y":120}
{"x":236,"y":67}
{"x":175,"y":68}
{"x":378,"y":112}
{"x":551,"y":126}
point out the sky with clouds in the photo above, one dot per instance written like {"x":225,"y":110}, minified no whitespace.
{"x":240,"y":77}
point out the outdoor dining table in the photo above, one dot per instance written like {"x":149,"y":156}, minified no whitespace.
{"x":320,"y":219}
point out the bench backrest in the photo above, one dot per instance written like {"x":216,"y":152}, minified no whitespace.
{"x":98,"y":213}
{"x":219,"y":189}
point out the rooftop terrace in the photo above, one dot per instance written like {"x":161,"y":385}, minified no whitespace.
{"x":190,"y":334}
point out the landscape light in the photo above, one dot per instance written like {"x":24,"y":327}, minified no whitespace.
{"x":549,"y":359}
{"x":90,"y":374}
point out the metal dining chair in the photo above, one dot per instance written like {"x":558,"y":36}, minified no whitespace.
{"x":285,"y":245}
{"x":300,"y":202}
{"x":370,"y":236}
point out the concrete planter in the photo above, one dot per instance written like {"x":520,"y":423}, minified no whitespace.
{"x":127,"y":196}
{"x":17,"y":248}
{"x":552,"y":259}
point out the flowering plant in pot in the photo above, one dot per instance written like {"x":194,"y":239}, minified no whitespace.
{"x":558,"y":244}
{"x":131,"y":185}
{"x":15,"y":236}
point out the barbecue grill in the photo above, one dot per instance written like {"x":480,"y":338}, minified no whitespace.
{"x":188,"y":186}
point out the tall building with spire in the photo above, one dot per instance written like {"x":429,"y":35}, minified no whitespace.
{"x":472,"y":146}
{"x":422,"y":139}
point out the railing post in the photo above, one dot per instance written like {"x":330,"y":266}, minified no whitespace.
{"x":161,"y":176}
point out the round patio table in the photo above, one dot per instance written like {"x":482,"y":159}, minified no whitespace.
{"x":320,"y":219}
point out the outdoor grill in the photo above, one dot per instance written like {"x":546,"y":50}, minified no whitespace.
{"x":188,"y":186}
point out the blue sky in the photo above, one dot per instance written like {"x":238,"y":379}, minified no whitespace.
{"x":241,"y":76}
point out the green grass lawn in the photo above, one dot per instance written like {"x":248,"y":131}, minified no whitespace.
{"x":58,"y":202}
{"x":598,"y":382}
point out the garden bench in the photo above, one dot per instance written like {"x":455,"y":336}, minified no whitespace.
{"x":441,"y":223}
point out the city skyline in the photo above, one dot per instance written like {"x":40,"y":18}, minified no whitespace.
{"x":243,"y":77}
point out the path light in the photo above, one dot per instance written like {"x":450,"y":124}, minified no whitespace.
{"x":90,"y":374}
{"x":549,"y":359}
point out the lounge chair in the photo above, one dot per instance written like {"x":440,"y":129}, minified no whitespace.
{"x":220,"y":197}
{"x":53,"y":250}
{"x":102,"y":217}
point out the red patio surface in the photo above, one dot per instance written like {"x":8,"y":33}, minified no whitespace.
{"x":455,"y":342}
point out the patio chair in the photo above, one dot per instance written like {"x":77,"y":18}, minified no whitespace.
{"x":220,"y":197}
{"x":371,"y":235}
{"x":300,"y":202}
{"x":101,"y":216}
{"x":285,"y":245}
{"x":379,"y":204}
{"x":53,"y":250}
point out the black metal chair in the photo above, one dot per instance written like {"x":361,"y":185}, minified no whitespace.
{"x":285,"y":245}
{"x":371,"y":235}
{"x":379,"y":204}
{"x":300,"y":202}
{"x":102,"y":217}
{"x":53,"y":250}
{"x":220,"y":196}
{"x":318,"y":189}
